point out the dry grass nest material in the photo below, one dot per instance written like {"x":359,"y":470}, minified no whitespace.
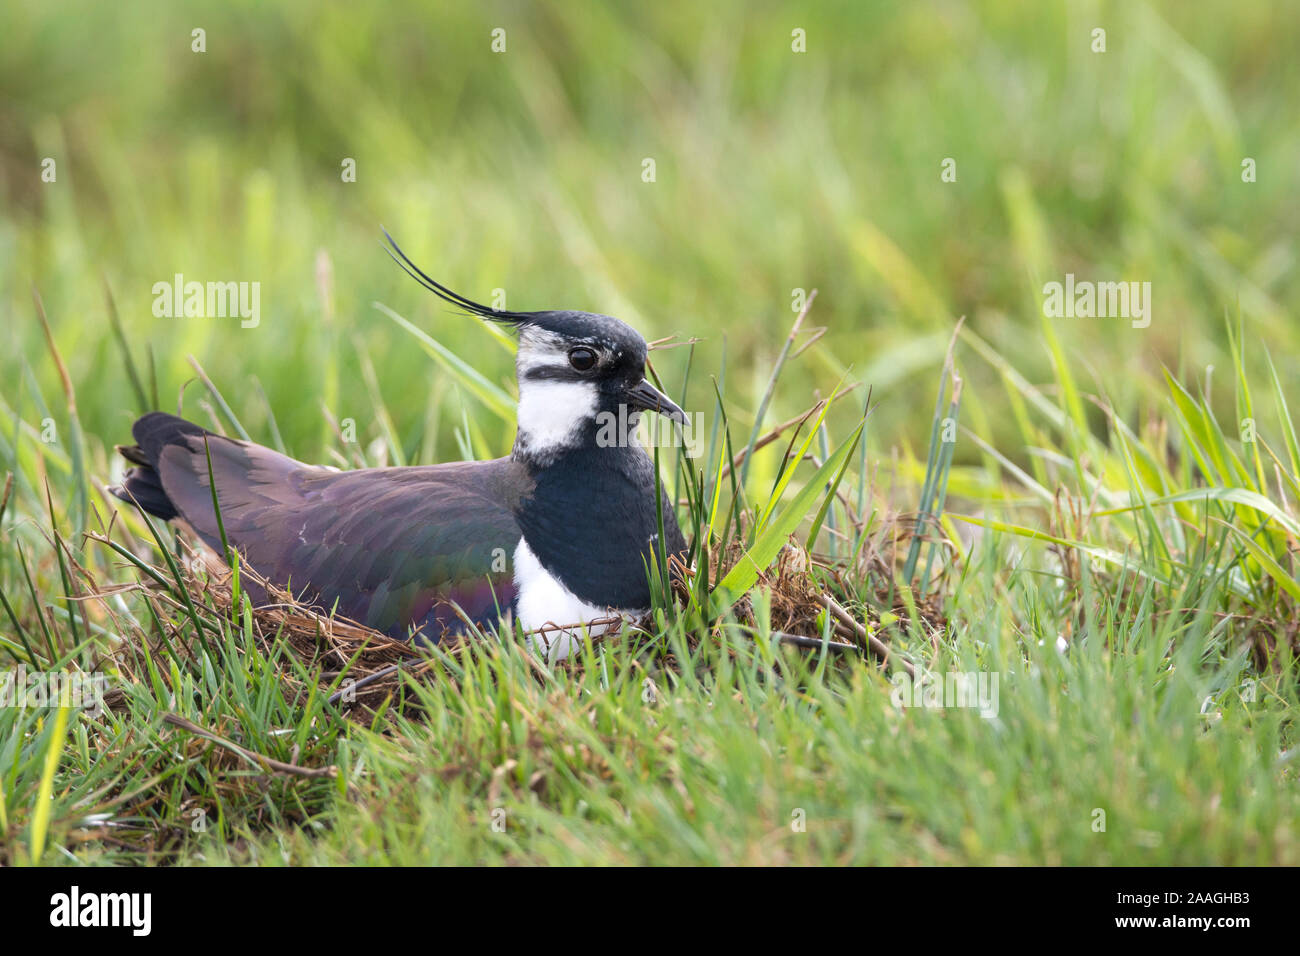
{"x":362,"y":668}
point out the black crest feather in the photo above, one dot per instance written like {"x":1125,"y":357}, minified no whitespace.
{"x":447,"y":295}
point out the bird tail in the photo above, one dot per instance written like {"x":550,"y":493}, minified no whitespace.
{"x":142,"y":485}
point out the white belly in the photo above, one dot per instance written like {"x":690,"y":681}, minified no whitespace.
{"x":541,"y":600}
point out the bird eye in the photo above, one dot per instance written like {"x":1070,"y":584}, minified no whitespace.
{"x":583,"y":359}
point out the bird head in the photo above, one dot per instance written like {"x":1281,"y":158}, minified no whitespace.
{"x":576,"y":372}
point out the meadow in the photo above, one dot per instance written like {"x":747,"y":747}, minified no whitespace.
{"x":838,"y":221}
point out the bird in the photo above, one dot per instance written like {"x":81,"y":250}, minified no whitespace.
{"x":561,"y":532}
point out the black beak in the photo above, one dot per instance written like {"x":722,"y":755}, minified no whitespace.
{"x":645,"y":396}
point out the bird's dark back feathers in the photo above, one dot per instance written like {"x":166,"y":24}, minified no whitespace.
{"x":389,"y":547}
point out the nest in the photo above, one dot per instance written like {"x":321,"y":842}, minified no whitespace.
{"x":362,"y":669}
{"x":359,"y":666}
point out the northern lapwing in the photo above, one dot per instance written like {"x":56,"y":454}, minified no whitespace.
{"x":562,"y":532}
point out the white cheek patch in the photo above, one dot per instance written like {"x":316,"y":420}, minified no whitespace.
{"x":552,"y":414}
{"x":540,"y":599}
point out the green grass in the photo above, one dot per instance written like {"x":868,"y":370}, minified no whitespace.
{"x":1072,"y":505}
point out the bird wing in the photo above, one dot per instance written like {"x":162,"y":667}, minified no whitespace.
{"x":392,"y":548}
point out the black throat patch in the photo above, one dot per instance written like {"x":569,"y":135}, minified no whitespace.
{"x":592,"y":523}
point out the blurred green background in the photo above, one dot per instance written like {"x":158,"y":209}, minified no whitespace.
{"x":522,"y":170}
